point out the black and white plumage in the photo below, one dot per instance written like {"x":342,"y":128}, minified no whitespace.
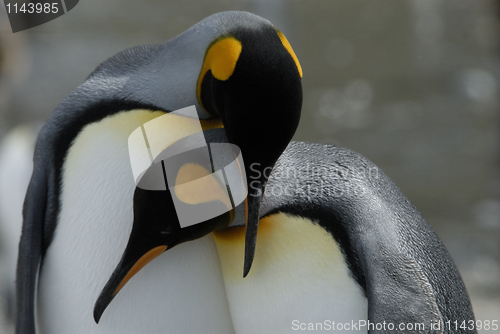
{"x":344,"y":256}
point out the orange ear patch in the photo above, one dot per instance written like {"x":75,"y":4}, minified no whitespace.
{"x":221,"y":59}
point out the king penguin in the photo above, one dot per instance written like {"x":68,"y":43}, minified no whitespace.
{"x":336,"y":238}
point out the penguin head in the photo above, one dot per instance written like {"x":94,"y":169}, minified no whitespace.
{"x":255,"y":89}
{"x":250,"y":80}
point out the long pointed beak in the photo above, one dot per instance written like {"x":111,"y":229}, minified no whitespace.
{"x":130,"y":265}
{"x":255,"y":195}
{"x":147,"y":241}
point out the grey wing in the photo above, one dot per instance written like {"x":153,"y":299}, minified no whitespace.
{"x":30,"y":250}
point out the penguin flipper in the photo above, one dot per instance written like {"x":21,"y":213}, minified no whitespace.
{"x":30,"y":250}
{"x":398,"y":290}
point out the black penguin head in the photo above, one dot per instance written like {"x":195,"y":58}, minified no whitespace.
{"x":259,"y":103}
{"x":257,"y":92}
{"x":250,"y":79}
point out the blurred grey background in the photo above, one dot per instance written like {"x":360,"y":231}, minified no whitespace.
{"x":413,"y":85}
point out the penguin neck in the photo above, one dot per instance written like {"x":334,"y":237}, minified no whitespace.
{"x":299,"y":273}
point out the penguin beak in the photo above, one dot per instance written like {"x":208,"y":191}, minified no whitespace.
{"x":136,"y":256}
{"x":254,"y":200}
{"x":146,"y":243}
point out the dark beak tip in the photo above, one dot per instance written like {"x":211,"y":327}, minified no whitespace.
{"x":97,"y":315}
{"x":250,"y":241}
{"x":251,"y":229}
{"x":246,"y":268}
{"x":99,"y":308}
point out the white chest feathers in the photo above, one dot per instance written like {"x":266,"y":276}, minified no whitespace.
{"x":299,"y":276}
{"x":170,"y":295}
